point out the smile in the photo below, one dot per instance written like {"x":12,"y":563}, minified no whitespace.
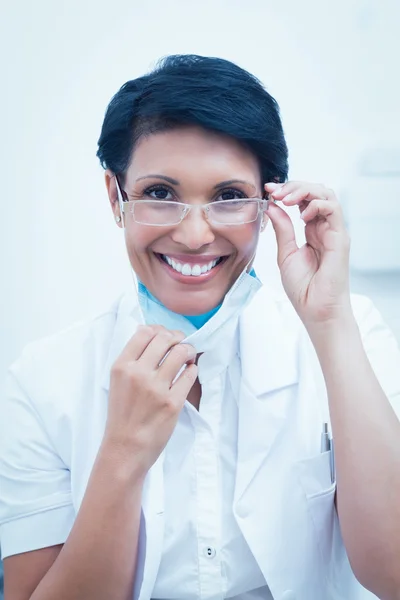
{"x":191,"y":270}
{"x":194,"y":270}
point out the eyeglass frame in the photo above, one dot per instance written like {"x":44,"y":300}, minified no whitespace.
{"x":186,"y":208}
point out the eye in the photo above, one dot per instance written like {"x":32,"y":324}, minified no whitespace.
{"x":231,"y":195}
{"x":158,"y":192}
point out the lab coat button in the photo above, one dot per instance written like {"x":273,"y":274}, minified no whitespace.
{"x":209,"y":552}
{"x":288,"y":595}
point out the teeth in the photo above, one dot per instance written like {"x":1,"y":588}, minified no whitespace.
{"x":187,"y":269}
{"x":196,"y":270}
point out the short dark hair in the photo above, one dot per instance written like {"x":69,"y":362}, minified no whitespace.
{"x":212,"y":93}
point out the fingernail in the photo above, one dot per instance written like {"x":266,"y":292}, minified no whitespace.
{"x":278,"y":191}
{"x":288,"y":197}
{"x":191,"y":352}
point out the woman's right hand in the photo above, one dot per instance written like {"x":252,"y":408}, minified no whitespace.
{"x":144,"y":403}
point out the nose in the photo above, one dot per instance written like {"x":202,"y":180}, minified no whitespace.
{"x":194,"y":231}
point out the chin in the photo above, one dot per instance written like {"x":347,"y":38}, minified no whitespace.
{"x":191,"y":307}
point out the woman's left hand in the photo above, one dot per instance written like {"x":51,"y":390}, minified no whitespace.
{"x":315,"y":276}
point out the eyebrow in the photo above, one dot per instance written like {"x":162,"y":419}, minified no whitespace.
{"x":230,"y":182}
{"x":176,"y":182}
{"x":156,"y":176}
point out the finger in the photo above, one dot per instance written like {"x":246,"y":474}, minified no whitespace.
{"x":330,"y":211}
{"x":139,"y":342}
{"x":294,"y":192}
{"x":159,"y":346}
{"x":279,"y":190}
{"x":307,"y":194}
{"x":179,"y":355}
{"x":272,"y":186}
{"x":284,"y":231}
{"x":185,"y":382}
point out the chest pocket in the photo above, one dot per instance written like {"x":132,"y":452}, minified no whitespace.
{"x":315,"y":480}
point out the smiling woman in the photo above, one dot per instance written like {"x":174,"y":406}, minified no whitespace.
{"x":190,"y":143}
{"x":171,"y":448}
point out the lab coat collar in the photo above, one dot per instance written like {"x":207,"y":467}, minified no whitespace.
{"x":127,"y":319}
{"x":275,"y":364}
{"x":264,"y":369}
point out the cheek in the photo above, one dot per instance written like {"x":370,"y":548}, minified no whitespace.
{"x":245,"y":240}
{"x":139,"y":239}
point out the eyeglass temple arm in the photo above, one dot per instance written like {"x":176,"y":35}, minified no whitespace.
{"x":120,"y":194}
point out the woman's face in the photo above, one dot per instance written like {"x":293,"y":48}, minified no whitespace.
{"x":194,"y":166}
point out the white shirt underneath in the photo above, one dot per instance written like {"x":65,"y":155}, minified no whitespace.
{"x":205,"y":556}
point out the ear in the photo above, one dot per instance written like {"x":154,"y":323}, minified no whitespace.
{"x":113,"y":196}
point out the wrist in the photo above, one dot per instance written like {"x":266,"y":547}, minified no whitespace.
{"x":124,"y":463}
{"x":334,"y":333}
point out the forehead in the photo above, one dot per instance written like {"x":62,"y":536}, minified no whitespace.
{"x":189,"y":151}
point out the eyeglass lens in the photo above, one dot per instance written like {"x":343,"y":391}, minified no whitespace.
{"x":225,"y":212}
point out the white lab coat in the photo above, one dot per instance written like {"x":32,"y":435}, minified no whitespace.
{"x":284,"y":497}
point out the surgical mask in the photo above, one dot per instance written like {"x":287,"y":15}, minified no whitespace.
{"x":203,"y":339}
{"x":196,"y":320}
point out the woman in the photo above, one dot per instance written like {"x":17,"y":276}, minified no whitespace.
{"x":179,"y":445}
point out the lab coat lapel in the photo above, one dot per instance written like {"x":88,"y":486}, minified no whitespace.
{"x":268,"y":350}
{"x":127,"y":319}
{"x":270,"y":505}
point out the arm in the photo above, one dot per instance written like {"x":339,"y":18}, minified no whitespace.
{"x":365,"y":427}
{"x":366,"y":431}
{"x":99,"y":557}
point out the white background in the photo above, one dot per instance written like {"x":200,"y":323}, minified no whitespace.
{"x":332,"y":66}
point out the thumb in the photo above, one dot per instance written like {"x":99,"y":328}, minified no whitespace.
{"x":284,"y":232}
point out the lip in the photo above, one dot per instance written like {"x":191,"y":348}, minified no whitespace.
{"x":190,"y":279}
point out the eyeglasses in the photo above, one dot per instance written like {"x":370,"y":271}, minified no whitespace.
{"x":222,"y":212}
{"x":163,"y":213}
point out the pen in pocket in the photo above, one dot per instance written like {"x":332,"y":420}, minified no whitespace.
{"x":325,"y":441}
{"x":328,"y":446}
